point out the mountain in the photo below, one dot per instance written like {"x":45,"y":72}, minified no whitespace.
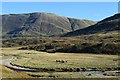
{"x":107,"y":25}
{"x":40,"y":24}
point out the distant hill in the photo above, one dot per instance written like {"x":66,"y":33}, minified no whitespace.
{"x":107,"y":25}
{"x":40,"y":24}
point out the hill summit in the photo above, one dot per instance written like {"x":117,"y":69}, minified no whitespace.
{"x":40,"y":24}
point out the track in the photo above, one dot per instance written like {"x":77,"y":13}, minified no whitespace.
{"x":6,"y":62}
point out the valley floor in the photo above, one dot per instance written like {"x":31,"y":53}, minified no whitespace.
{"x":60,"y":65}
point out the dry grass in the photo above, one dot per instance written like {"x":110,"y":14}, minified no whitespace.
{"x":35,"y":59}
{"x":57,"y":74}
{"x":7,"y":73}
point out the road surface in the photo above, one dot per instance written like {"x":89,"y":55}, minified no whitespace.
{"x":6,"y":62}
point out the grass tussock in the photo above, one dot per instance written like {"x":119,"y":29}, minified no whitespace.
{"x":7,"y":73}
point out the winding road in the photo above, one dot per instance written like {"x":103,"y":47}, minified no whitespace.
{"x":6,"y":62}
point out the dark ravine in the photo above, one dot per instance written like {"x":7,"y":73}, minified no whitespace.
{"x":107,"y":25}
{"x":40,"y":24}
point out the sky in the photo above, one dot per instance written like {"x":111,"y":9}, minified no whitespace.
{"x":60,"y":0}
{"x":83,"y":10}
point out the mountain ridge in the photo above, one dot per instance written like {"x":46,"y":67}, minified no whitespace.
{"x":108,"y":24}
{"x":40,"y":24}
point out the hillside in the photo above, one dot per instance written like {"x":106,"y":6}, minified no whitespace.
{"x":110,"y":24}
{"x":40,"y":24}
{"x":8,"y":73}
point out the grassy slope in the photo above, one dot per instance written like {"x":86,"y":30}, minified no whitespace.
{"x":107,"y":25}
{"x":34,"y":59}
{"x":40,"y":24}
{"x":7,"y":73}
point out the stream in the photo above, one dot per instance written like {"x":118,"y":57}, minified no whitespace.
{"x":90,"y":72}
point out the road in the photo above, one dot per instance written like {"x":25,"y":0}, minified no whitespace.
{"x":6,"y":62}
